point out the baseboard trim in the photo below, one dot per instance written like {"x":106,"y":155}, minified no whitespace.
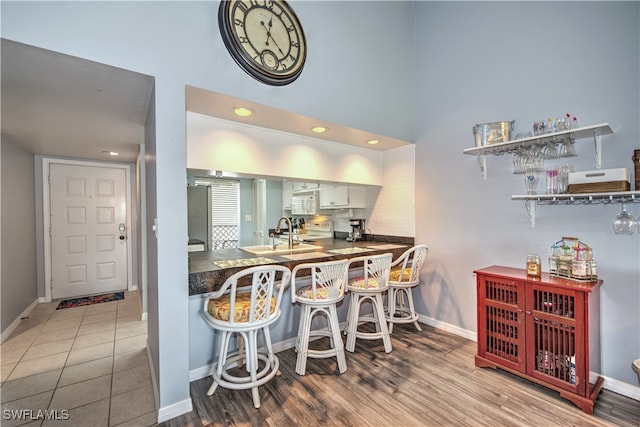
{"x":12,"y":327}
{"x":174,"y":410}
{"x":154,"y":381}
{"x":170,"y":411}
{"x":620,"y":387}
{"x":448,"y":327}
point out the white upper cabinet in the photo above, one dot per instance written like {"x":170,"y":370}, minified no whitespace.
{"x":304,"y":186}
{"x":338,"y":196}
{"x":287,"y":192}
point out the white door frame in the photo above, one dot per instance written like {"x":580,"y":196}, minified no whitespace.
{"x":46,"y":214}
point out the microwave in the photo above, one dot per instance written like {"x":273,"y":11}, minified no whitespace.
{"x":304,"y":203}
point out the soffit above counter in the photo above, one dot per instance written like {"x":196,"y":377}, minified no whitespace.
{"x":221,"y":106}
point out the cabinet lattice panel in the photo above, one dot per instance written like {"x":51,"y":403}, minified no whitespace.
{"x":555,"y":334}
{"x":502,"y":320}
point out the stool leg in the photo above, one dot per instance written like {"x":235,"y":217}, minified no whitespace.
{"x":222,"y":359}
{"x":273,"y":359}
{"x":352,"y":317}
{"x":391,"y":307}
{"x":383,"y":323}
{"x":352,"y":320}
{"x":252,"y":364}
{"x":334,"y":324}
{"x":303,"y":340}
{"x":412,"y":309}
{"x":240,"y":345}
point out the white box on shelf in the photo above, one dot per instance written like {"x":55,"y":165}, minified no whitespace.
{"x":599,"y":181}
{"x":599,"y":175}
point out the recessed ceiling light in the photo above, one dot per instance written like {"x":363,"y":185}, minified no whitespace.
{"x":319,"y":129}
{"x":111,"y":153}
{"x":242,"y":112}
{"x":373,"y":141}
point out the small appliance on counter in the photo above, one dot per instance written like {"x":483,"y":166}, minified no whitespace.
{"x":357,"y":230}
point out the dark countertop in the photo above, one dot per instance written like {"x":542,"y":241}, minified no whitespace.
{"x":205,"y":276}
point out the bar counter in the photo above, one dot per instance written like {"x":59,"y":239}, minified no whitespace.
{"x":209,"y":269}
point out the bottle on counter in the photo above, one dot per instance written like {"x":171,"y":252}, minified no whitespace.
{"x":534,"y":265}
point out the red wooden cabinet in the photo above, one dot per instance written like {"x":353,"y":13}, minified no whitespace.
{"x":544,"y":329}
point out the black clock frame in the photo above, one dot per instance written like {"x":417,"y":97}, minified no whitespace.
{"x":245,"y":61}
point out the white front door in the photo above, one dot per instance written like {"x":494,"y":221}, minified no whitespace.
{"x":88,"y":208}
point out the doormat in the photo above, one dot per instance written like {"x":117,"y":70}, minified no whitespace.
{"x":95,"y":299}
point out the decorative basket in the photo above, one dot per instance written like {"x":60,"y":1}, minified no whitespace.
{"x":572,"y":259}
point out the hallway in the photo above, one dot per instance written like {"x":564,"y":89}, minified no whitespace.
{"x":86,"y":365}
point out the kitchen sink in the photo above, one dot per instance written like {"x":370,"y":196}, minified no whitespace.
{"x":280,"y":249}
{"x":351,"y":250}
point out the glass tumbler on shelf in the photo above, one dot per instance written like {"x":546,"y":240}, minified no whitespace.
{"x":563,"y":178}
{"x":531,"y":182}
{"x":552,"y":181}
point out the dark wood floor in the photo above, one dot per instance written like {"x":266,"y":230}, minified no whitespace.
{"x":429,"y":379}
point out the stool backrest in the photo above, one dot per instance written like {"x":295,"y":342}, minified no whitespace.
{"x":259,"y":288}
{"x":376,"y":268}
{"x":328,"y":280}
{"x":409,"y":264}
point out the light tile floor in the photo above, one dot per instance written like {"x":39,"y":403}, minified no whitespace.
{"x":87,"y":363}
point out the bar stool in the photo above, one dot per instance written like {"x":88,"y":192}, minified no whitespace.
{"x":247,"y":302}
{"x":320,"y":298}
{"x":404,"y":276}
{"x":369,"y":288}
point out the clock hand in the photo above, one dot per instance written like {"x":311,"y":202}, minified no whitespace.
{"x":267,"y":30}
{"x":274,"y":42}
{"x":269,"y":36}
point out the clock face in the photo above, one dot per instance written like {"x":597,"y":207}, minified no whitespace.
{"x":265,"y":38}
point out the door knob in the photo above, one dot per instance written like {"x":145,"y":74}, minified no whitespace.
{"x":122,"y":228}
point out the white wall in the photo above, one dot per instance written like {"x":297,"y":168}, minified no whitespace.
{"x":483,"y":62}
{"x":394,"y":211}
{"x":216,"y":144}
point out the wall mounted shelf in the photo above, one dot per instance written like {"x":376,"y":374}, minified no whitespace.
{"x":510,"y":147}
{"x":532,"y":200}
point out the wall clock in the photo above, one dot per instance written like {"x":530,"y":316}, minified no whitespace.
{"x":265,"y":38}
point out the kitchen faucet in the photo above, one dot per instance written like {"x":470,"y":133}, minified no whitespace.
{"x":290,"y":230}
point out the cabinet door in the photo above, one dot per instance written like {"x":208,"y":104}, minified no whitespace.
{"x":501,"y":321}
{"x":334,"y":196}
{"x":303,"y":186}
{"x":287,"y":192}
{"x":555,"y":337}
{"x":501,"y":334}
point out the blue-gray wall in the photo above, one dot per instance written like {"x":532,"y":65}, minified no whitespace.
{"x":18,"y":215}
{"x":483,"y":62}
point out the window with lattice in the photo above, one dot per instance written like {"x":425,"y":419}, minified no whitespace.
{"x":225,"y":211}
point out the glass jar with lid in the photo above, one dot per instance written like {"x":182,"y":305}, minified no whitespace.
{"x":534,"y":265}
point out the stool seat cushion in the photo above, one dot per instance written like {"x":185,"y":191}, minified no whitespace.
{"x":372,"y":283}
{"x":220,"y":308}
{"x":396,"y":275}
{"x":306,"y":292}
